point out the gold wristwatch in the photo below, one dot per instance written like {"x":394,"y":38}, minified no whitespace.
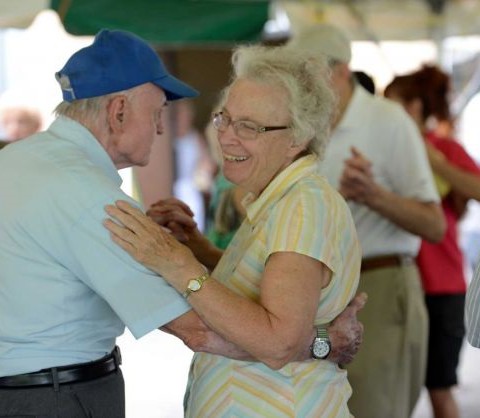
{"x":195,"y":284}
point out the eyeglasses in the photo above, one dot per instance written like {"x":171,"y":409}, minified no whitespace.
{"x":245,"y":129}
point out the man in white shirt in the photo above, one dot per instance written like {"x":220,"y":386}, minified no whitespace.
{"x":377,"y":160}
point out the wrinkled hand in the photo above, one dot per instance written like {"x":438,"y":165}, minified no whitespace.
{"x":177,"y":216}
{"x":147,"y":242}
{"x":357,"y":182}
{"x":346,"y":332}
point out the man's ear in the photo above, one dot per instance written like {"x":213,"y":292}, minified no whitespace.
{"x":116,"y":113}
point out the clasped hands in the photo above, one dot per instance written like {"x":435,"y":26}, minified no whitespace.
{"x":357,"y":182}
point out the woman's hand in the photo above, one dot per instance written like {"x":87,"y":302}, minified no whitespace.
{"x":150,"y":244}
{"x":177,"y":216}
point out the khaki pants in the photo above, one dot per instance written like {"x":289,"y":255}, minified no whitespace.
{"x":388,"y":372}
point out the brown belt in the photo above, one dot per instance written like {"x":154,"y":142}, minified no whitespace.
{"x":383,"y":261}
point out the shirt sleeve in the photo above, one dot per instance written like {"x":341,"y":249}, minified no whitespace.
{"x":409,"y":168}
{"x":457,"y":156}
{"x":143,"y":300}
{"x":472,"y":310}
{"x":308,"y":221}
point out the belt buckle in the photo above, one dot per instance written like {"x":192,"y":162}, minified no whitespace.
{"x":117,"y":356}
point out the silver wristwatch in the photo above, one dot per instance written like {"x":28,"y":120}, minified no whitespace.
{"x":321,"y":346}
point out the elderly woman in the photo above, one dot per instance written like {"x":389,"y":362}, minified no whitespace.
{"x":294,"y":261}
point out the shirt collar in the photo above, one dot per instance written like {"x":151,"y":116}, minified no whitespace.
{"x":277,"y":188}
{"x":67,"y":129}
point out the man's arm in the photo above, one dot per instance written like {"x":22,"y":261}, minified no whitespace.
{"x":199,"y":338}
{"x":345,"y":334}
{"x":424,"y":219}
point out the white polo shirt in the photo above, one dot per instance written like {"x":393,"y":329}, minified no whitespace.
{"x":382,"y":131}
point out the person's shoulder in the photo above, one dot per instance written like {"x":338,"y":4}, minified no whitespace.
{"x":378,"y":112}
{"x":382,"y":105}
{"x":314,"y":186}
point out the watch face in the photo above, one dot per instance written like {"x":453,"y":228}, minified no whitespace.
{"x":320,"y":348}
{"x":194,"y":285}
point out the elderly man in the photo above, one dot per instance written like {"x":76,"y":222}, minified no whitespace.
{"x":67,"y":291}
{"x":377,"y":160}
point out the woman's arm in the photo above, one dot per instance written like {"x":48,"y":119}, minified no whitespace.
{"x":272,"y":329}
{"x":199,"y":338}
{"x":345,"y":333}
{"x":465,"y":183}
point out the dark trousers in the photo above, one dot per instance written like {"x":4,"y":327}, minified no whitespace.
{"x":100,"y":398}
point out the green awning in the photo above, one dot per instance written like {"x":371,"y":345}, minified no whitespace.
{"x":168,"y":22}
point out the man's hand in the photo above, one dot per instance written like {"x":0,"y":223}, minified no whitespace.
{"x":346,"y":332}
{"x":357,"y":182}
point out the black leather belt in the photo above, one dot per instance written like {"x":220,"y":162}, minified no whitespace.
{"x":384,"y":261}
{"x":66,"y":374}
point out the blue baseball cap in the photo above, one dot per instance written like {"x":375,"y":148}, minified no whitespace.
{"x":117,"y":60}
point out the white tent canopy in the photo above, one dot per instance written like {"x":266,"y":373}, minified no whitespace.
{"x":363,"y":19}
{"x":20,"y":13}
{"x":375,"y":20}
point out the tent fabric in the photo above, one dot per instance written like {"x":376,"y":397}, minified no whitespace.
{"x":226,"y":22}
{"x":20,"y":14}
{"x":405,"y":20}
{"x":168,"y":22}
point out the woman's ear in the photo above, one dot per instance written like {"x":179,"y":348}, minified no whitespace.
{"x":296,"y":149}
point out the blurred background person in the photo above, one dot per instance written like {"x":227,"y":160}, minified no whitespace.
{"x":424,"y":95}
{"x":191,"y":157}
{"x":19,"y":117}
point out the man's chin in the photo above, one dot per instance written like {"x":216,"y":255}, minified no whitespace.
{"x":142,"y":163}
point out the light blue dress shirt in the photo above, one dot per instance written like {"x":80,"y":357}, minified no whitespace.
{"x":66,"y":290}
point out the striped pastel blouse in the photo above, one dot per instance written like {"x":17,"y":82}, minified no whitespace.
{"x":300,"y":212}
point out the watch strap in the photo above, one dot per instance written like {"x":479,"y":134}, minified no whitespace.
{"x":322,"y":332}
